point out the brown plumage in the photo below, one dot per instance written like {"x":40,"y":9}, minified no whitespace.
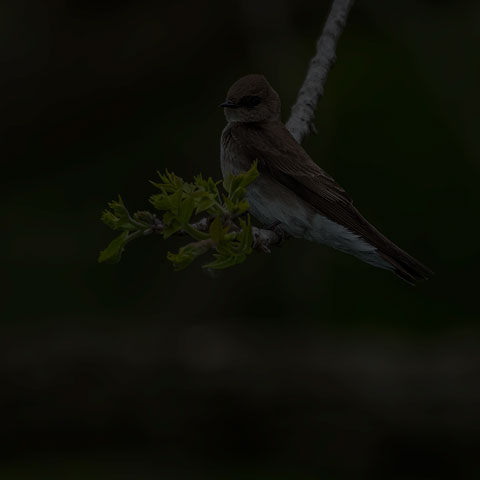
{"x":289,"y":178}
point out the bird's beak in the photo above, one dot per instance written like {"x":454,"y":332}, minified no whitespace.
{"x":228,"y":104}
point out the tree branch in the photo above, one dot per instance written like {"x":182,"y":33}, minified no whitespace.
{"x":262,"y":238}
{"x":300,"y":123}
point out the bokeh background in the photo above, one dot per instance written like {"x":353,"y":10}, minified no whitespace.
{"x":305,"y":364}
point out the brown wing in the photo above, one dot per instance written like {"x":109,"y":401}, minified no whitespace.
{"x":279,"y":153}
{"x":281,"y":156}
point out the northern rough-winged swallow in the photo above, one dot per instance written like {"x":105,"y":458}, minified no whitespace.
{"x":292,"y":192}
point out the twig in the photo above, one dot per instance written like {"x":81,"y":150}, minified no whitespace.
{"x":300,"y":123}
{"x":262,"y":238}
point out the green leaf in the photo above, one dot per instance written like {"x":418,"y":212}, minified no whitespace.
{"x":242,"y":207}
{"x":189,"y":188}
{"x":236,"y":207}
{"x":185,"y":210}
{"x":223,"y":261}
{"x":160,"y":201}
{"x":227,"y":183}
{"x":205,"y":204}
{"x":117,"y":206}
{"x":147,"y":218}
{"x":203,"y":201}
{"x":207,"y":185}
{"x":117,"y":218}
{"x":216,"y":230}
{"x":251,"y":175}
{"x":186,"y":255}
{"x":238,"y":194}
{"x":175,"y":202}
{"x":225,"y":248}
{"x":246,"y":236}
{"x":171,"y":225}
{"x":233,"y":250}
{"x":196,"y":234}
{"x":235,"y":184}
{"x":113,"y":252}
{"x":170,"y":182}
{"x":109,"y":219}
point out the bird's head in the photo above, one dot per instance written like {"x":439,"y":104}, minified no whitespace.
{"x":252,"y":99}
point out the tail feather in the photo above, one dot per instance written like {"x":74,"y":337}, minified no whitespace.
{"x":405,"y":266}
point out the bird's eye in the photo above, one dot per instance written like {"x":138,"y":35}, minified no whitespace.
{"x":250,"y":101}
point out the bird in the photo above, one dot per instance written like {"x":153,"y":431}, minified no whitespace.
{"x":292,"y":193}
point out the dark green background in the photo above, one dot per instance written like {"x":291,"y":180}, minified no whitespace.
{"x":303,"y":364}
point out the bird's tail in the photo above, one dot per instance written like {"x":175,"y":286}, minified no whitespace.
{"x":404,"y":265}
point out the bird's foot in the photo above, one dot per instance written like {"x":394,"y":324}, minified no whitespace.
{"x":264,"y":238}
{"x":278,"y":230}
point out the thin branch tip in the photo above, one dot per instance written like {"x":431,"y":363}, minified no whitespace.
{"x":303,"y":112}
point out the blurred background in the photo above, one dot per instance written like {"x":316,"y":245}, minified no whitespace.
{"x":304,"y":364}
